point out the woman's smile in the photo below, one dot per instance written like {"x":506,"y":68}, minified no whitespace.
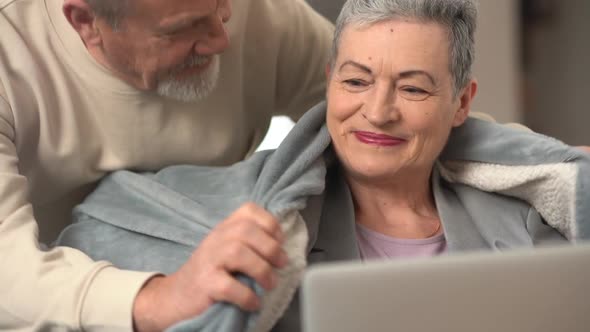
{"x":377,"y":139}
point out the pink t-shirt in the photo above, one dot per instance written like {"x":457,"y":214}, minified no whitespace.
{"x":373,"y":245}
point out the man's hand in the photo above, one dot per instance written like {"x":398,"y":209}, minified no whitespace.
{"x":249,"y":241}
{"x":584,"y":148}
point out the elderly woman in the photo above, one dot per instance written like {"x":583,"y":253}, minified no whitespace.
{"x":399,"y":81}
{"x":391,"y":167}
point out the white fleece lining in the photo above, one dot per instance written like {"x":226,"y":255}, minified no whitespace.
{"x":276,"y":301}
{"x":550,"y":188}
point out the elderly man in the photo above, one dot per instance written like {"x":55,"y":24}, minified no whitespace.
{"x":88,"y":87}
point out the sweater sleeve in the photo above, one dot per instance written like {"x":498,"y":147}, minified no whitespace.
{"x":59,"y":288}
{"x":304,"y":53}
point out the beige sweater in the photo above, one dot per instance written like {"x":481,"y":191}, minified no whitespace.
{"x":65,"y":122}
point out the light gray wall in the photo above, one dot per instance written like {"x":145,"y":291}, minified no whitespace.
{"x":328,"y":8}
{"x":497,"y":66}
{"x":559,"y":75}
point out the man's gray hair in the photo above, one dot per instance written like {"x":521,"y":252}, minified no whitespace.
{"x":112,"y":11}
{"x":459,"y":17}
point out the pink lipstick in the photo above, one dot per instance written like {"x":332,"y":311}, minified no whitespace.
{"x":378,"y":139}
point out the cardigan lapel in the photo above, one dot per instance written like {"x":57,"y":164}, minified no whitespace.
{"x":336,"y":234}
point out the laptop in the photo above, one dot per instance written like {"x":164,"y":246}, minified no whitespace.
{"x":534,"y":290}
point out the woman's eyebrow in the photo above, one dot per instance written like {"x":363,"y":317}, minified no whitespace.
{"x":410,"y":73}
{"x":404,"y":74}
{"x":357,"y":65}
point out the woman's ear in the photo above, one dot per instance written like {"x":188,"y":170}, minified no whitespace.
{"x":465,"y":99}
{"x":83,"y":20}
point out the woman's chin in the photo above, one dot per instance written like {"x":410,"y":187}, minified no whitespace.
{"x":373,"y":173}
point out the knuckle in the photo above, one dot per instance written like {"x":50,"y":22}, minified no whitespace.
{"x":265,"y":271}
{"x":272,"y":223}
{"x":249,"y":207}
{"x":250,"y":299}
{"x":234,"y":250}
{"x":225,"y":288}
{"x":245,"y":227}
{"x":271,"y":250}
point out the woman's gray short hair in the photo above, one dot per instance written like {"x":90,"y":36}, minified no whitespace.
{"x":112,"y":11}
{"x":458,"y":16}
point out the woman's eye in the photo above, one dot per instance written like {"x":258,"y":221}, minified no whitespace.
{"x":412,"y":89}
{"x":414,"y":93}
{"x":355,"y":83}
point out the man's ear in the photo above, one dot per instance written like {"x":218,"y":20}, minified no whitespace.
{"x":83,"y":20}
{"x":465,"y":99}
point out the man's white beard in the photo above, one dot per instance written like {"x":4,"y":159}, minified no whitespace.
{"x":192,"y":88}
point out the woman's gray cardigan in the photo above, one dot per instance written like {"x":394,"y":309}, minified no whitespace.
{"x":495,"y":188}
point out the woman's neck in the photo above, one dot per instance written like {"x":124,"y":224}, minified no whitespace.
{"x":401,"y":207}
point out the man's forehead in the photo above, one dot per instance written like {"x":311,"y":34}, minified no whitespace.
{"x":163,"y":8}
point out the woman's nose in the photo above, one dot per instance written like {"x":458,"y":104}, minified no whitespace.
{"x":381,"y":108}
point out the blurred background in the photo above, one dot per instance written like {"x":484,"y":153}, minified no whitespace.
{"x":532,"y":64}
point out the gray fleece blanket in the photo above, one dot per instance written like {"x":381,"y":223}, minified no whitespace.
{"x":152,"y":222}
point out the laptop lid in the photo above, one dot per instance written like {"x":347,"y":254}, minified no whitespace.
{"x":541,"y":290}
